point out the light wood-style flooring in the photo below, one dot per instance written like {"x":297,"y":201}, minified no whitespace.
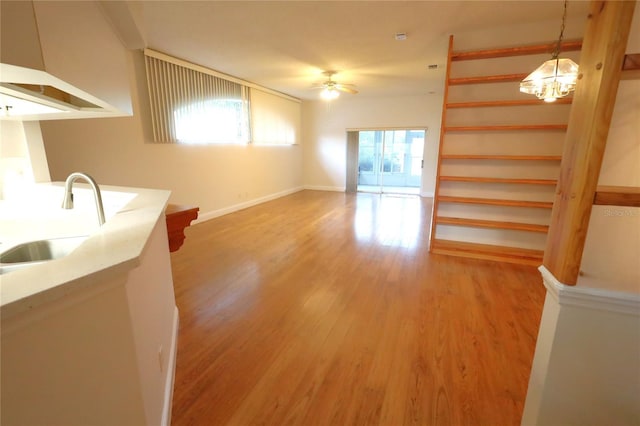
{"x":325,"y":308}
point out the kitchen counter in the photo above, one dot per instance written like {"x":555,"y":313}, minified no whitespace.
{"x":89,"y":338}
{"x":110,"y":250}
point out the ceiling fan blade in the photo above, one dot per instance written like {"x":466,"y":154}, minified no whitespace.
{"x":346,"y":89}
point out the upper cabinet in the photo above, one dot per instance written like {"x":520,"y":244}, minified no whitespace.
{"x":60,"y":60}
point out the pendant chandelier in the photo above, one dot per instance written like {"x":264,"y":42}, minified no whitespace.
{"x":556,"y":77}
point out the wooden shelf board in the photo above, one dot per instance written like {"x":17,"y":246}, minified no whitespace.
{"x":498,"y":180}
{"x":562,"y":127}
{"x":502,"y":78}
{"x":487,"y":252}
{"x":536,"y":49}
{"x":502,"y":157}
{"x":495,"y":202}
{"x":508,"y":103}
{"x":624,"y":196}
{"x":630,"y":70}
{"x":492,"y":224}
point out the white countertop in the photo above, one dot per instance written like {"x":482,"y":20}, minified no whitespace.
{"x":110,"y":250}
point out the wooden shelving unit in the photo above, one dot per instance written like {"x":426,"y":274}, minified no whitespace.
{"x":481,"y":155}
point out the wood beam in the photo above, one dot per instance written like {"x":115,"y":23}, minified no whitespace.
{"x":631,"y":62}
{"x":601,"y":59}
{"x":626,"y":196}
{"x":631,"y":67}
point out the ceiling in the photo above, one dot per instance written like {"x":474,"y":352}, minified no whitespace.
{"x":285,"y":45}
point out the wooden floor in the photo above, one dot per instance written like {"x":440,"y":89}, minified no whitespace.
{"x":324,"y":308}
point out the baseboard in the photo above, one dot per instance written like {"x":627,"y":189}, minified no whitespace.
{"x":171,"y":374}
{"x":203,"y":217}
{"x":325,"y":188}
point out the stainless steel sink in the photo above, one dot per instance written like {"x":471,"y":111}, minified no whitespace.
{"x":34,"y":252}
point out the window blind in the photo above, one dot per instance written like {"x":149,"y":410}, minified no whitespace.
{"x":189,"y":106}
{"x":274,"y":120}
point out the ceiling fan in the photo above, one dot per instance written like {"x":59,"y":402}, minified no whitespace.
{"x":331,"y":89}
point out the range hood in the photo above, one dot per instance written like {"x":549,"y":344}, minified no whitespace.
{"x":44,"y":97}
{"x":60,"y":60}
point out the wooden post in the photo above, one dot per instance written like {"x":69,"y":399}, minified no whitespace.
{"x":601,"y":59}
{"x":443,"y":123}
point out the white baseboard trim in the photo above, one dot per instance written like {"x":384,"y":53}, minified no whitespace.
{"x":203,"y":217}
{"x":171,"y":374}
{"x":326,"y":188}
{"x":592,"y":298}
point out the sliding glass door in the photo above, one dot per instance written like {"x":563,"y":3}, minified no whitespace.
{"x":390,"y":161}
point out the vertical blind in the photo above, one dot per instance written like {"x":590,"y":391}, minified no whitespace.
{"x":189,"y":106}
{"x":274,"y":120}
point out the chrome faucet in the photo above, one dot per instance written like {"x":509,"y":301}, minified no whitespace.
{"x":67,"y":202}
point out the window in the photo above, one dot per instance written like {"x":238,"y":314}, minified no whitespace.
{"x":190,"y":106}
{"x":275,"y":120}
{"x":195,"y":105}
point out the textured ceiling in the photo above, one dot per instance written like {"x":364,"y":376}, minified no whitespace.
{"x":286,"y":45}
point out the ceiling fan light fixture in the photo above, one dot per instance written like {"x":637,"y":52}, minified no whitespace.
{"x":329,"y":93}
{"x":556,"y":77}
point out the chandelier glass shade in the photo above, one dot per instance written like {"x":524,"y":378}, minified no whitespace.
{"x":556,"y":77}
{"x":553,"y":79}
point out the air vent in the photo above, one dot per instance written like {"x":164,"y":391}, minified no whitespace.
{"x":433,"y":66}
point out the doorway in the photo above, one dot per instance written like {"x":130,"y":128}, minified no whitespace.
{"x":388,"y":161}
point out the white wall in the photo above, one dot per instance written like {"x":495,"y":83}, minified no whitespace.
{"x":612,"y":248}
{"x":325,"y":127}
{"x":520,"y":33}
{"x":22,"y":157}
{"x":119,"y":151}
{"x":585,"y":369}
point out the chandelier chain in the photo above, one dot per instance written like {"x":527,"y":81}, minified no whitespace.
{"x":556,"y":52}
